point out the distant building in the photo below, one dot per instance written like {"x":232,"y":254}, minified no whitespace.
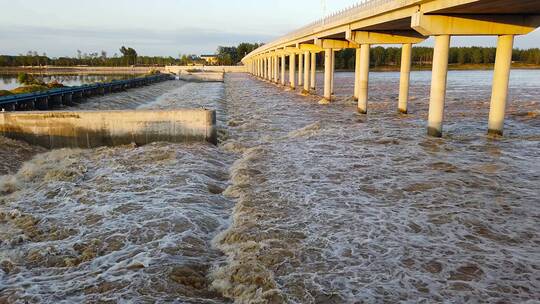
{"x":210,"y":59}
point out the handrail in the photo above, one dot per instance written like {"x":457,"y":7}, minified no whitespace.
{"x":354,"y":10}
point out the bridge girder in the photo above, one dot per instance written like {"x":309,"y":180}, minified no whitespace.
{"x":474,"y":25}
{"x":365,"y":37}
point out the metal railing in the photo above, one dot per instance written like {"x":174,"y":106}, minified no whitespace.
{"x":352,"y":11}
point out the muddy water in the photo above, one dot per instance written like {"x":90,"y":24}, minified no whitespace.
{"x":300,"y":203}
{"x":337,"y":207}
{"x":117,"y":225}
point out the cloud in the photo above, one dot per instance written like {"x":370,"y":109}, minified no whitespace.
{"x":65,"y":41}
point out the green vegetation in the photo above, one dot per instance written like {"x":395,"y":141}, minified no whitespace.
{"x":153,"y":72}
{"x":27,"y":79}
{"x":5,"y":93}
{"x":423,"y":56}
{"x":129,"y":57}
{"x":232,"y":55}
{"x":30,"y":89}
{"x":31,"y":85}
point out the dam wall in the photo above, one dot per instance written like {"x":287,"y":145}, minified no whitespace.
{"x":89,"y":129}
{"x":223,"y":69}
{"x":201,"y":76}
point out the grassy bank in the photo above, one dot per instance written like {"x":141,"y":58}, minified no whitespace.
{"x":26,"y":89}
{"x":79,"y":70}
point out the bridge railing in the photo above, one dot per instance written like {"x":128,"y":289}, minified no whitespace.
{"x":349,"y":12}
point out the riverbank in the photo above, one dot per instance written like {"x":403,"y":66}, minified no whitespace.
{"x":227,"y":69}
{"x":455,"y":67}
{"x":80,"y":70}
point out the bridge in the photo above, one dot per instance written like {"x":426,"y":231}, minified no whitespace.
{"x":404,"y":22}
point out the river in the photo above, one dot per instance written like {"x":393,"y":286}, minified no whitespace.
{"x":299,"y":203}
{"x":8,"y":81}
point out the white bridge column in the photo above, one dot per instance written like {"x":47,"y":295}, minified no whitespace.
{"x":357,"y":68}
{"x":283,"y":70}
{"x":273,"y":79}
{"x":268,"y":68}
{"x":264,"y":68}
{"x":313,"y":80}
{"x":363,"y":79}
{"x":270,"y":63}
{"x":276,"y":69}
{"x":501,"y":77}
{"x":327,"y":75}
{"x":438,"y":85}
{"x":333,"y":71}
{"x":404,"y":78}
{"x":307,"y":61}
{"x":292,"y":72}
{"x":300,"y":69}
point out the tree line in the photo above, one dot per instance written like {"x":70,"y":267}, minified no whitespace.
{"x":391,"y":56}
{"x":232,"y":55}
{"x":128,"y":57}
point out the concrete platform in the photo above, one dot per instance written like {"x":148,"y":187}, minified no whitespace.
{"x":89,"y":129}
{"x":201,"y":76}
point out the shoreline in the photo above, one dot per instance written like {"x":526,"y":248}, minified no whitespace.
{"x":142,"y":70}
{"x":80,"y":70}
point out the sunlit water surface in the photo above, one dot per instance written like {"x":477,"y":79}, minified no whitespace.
{"x":9,"y":81}
{"x":300,"y":203}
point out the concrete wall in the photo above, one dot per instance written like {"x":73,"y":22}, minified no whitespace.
{"x":224,"y":69}
{"x":90,"y":129}
{"x":201,"y":77}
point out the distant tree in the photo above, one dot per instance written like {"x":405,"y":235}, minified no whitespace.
{"x":129,"y":54}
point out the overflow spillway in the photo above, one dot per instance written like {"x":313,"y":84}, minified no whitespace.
{"x":89,"y":129}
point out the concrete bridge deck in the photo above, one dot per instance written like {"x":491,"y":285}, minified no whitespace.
{"x":405,"y":22}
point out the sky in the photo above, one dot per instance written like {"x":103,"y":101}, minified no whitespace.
{"x":166,"y":27}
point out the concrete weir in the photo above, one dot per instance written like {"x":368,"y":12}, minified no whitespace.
{"x":89,"y":129}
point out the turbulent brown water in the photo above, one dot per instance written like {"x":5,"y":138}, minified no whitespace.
{"x":300,"y":203}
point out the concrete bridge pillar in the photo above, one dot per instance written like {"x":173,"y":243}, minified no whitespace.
{"x":501,"y":77}
{"x":283,"y":70}
{"x":263,"y":66}
{"x":276,"y":58}
{"x":276,"y":69}
{"x":333,"y":70}
{"x":406,"y":53}
{"x":292,"y":72}
{"x":438,"y":85}
{"x":357,"y":68}
{"x":313,"y":80}
{"x":268,"y":68}
{"x":328,"y":75}
{"x":300,"y":69}
{"x":363,"y":79}
{"x":271,"y":76}
{"x":307,"y":61}
{"x":271,"y":66}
